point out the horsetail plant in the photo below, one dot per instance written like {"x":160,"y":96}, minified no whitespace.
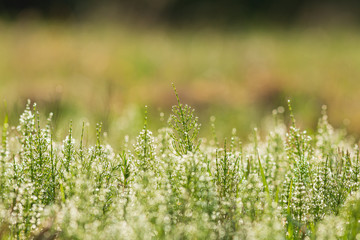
{"x":144,"y":148}
{"x":186,"y":128}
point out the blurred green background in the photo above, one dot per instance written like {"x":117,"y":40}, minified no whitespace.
{"x":236,"y":60}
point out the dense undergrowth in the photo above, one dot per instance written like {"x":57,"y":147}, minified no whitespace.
{"x":170,"y":184}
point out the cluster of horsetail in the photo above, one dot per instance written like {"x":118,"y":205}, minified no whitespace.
{"x":173,"y":184}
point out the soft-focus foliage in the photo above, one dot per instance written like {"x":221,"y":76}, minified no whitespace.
{"x":170,"y":185}
{"x":106,"y":70}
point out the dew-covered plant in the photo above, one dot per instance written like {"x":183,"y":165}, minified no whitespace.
{"x":185,"y":128}
{"x":168,"y":184}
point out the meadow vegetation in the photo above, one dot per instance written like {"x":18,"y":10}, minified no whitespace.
{"x":103,"y":70}
{"x":172,"y":184}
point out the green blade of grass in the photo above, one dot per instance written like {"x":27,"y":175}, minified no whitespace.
{"x":263,"y":177}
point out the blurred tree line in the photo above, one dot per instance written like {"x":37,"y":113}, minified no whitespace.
{"x":185,"y":11}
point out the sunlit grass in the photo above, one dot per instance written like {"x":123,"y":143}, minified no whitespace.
{"x":171,"y":184}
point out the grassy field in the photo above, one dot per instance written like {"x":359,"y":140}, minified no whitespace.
{"x":103,"y":71}
{"x":171,"y":184}
{"x":90,"y":161}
